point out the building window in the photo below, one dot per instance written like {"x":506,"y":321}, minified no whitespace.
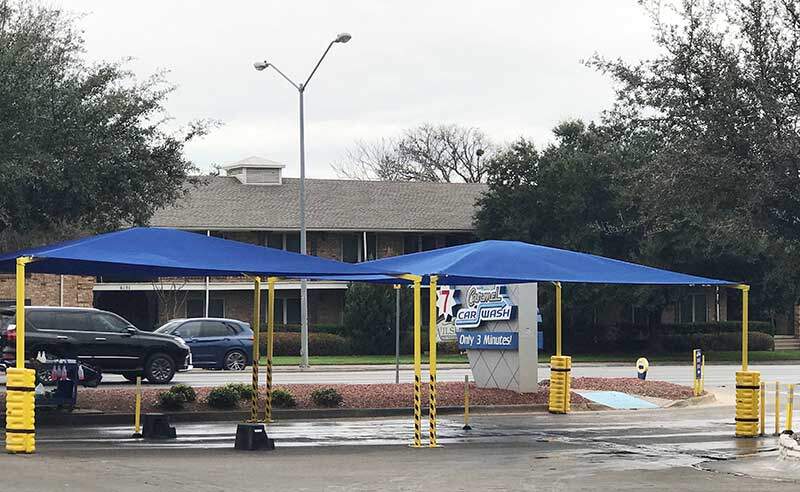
{"x":428,"y":243}
{"x":372,"y":246}
{"x":350,"y":248}
{"x":411,"y":243}
{"x":275,"y":240}
{"x":693,"y":309}
{"x":293,"y":242}
{"x":195,"y":307}
{"x":292,"y":311}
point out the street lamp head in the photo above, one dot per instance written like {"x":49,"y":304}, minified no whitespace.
{"x":342,"y":37}
{"x":262,"y":65}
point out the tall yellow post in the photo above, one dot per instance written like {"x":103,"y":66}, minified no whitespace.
{"x":777,"y":408}
{"x":270,"y":343}
{"x":748,"y":383}
{"x":417,"y":362}
{"x":790,"y":408}
{"x":558,"y":318}
{"x":432,"y":314}
{"x":20,"y":405}
{"x":560,"y":367}
{"x":137,"y":416}
{"x":256,"y":325}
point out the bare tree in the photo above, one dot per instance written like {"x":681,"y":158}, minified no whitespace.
{"x":171,"y":296}
{"x":445,"y":153}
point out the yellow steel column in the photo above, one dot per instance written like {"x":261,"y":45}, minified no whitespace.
{"x":790,"y":408}
{"x":560,"y":367}
{"x":256,"y":325}
{"x":748,"y":383}
{"x":270,"y":343}
{"x":762,"y":414}
{"x":777,"y":408}
{"x":417,"y":362}
{"x":558,"y":318}
{"x":20,"y":405}
{"x":432,"y":314}
{"x":137,"y":416}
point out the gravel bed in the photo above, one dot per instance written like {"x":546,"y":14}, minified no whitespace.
{"x":386,"y":395}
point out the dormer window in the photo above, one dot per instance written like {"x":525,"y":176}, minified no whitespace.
{"x":256,"y":171}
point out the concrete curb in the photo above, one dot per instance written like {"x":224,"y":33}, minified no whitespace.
{"x":55,"y":419}
{"x":693,"y":401}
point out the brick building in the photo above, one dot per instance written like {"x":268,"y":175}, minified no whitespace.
{"x":346,"y":220}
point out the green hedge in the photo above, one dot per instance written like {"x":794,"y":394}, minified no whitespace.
{"x":676,"y":343}
{"x":314,"y":328}
{"x":318,"y":344}
{"x":719,"y":327}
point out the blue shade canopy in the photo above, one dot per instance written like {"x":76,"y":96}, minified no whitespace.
{"x":509,"y":262}
{"x":145,"y":252}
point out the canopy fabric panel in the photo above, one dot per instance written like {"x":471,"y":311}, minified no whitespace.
{"x":509,"y":262}
{"x":146,"y":252}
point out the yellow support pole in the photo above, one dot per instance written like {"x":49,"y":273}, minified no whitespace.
{"x":763,"y":411}
{"x":137,"y":416}
{"x":466,"y":403}
{"x":256,"y":325}
{"x":270,"y":343}
{"x":432,"y":314}
{"x":20,"y":406}
{"x":748,"y":383}
{"x":777,"y":408}
{"x":790,"y":408}
{"x":560,"y":367}
{"x":558,"y":318}
{"x":417,"y":363}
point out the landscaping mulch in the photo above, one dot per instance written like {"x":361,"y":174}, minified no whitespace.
{"x":121,"y":400}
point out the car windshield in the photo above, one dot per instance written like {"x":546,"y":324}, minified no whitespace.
{"x":166,"y":327}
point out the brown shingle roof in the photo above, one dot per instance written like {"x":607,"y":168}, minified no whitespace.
{"x":331,"y":204}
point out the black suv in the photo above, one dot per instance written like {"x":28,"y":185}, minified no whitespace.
{"x":97,"y":338}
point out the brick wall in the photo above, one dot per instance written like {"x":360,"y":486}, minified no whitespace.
{"x":390,"y":245}
{"x":44,"y":290}
{"x":329,"y":244}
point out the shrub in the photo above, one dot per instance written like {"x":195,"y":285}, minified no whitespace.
{"x":283,"y":399}
{"x":448,"y":347}
{"x":187,"y":391}
{"x":318,"y":344}
{"x":171,"y":400}
{"x":369,"y":317}
{"x":676,"y":343}
{"x":327,"y":397}
{"x":245,"y":391}
{"x":223,"y":397}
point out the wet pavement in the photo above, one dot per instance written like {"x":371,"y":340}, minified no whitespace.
{"x":675,"y":449}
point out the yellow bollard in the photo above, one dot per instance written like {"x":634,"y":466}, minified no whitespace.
{"x":560,"y":368}
{"x":20,"y":403}
{"x":790,"y":408}
{"x":748,"y":384}
{"x":20,"y":418}
{"x":763,"y":413}
{"x":466,"y":404}
{"x":777,"y":408}
{"x":432,"y":313}
{"x":137,"y":416}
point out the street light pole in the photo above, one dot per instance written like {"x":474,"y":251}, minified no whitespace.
{"x":301,"y":88}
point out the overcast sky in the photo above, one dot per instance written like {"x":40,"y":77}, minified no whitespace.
{"x":511,"y":68}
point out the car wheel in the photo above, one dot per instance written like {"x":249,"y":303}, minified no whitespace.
{"x":159,"y":369}
{"x":235,"y":360}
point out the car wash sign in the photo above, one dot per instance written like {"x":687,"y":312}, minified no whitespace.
{"x":484,"y":303}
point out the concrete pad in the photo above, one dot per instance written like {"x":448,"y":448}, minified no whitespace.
{"x":616,"y":400}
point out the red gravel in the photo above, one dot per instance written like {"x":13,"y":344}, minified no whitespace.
{"x":387,"y":395}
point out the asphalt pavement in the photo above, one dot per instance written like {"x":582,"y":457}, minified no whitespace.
{"x":675,"y":449}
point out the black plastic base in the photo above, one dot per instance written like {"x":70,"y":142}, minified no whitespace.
{"x":252,"y":437}
{"x":156,"y":426}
